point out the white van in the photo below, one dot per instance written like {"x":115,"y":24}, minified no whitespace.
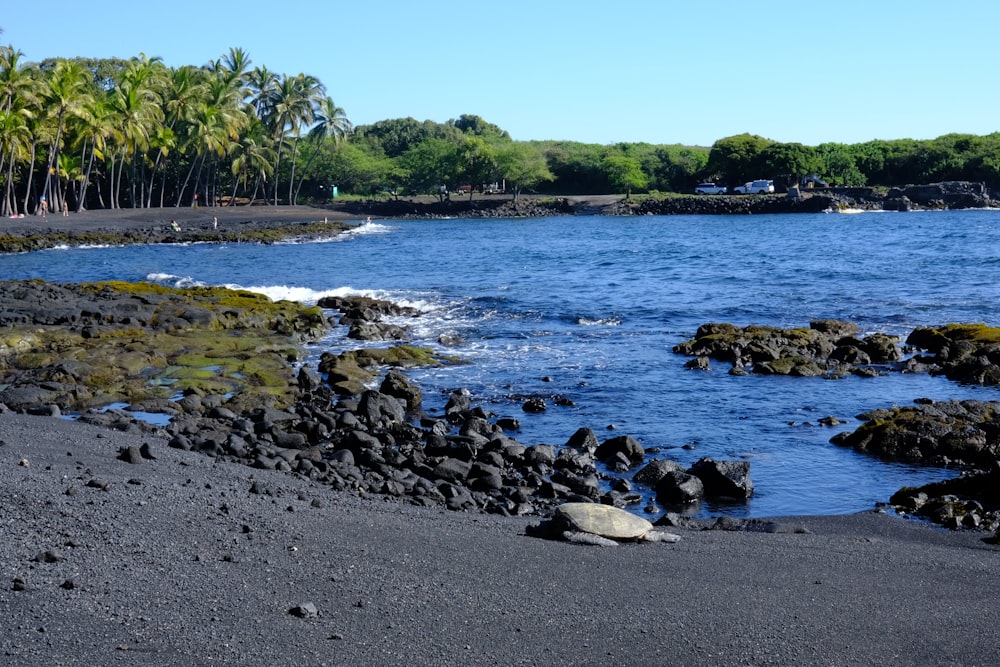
{"x":755,"y":187}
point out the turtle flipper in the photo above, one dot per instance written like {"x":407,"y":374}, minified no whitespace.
{"x":661,"y":536}
{"x":577,"y":537}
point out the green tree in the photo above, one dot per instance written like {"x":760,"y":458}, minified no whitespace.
{"x":431,"y":164}
{"x":471,"y":124}
{"x":522,"y":166}
{"x":625,"y":174}
{"x":792,"y":161}
{"x":477,"y":162}
{"x":839,"y":165}
{"x":737,"y":159}
{"x":680,"y":167}
{"x":290,"y":107}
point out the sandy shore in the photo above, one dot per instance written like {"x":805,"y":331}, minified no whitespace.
{"x":180,"y":560}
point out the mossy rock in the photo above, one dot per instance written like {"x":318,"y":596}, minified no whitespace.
{"x":231,"y":341}
{"x":934,"y":339}
{"x":794,"y":366}
{"x":349,"y":373}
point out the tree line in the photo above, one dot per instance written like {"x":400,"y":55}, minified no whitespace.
{"x":136,"y":133}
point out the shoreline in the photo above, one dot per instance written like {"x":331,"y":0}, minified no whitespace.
{"x":154,"y":225}
{"x":184,"y":560}
{"x":175,"y":560}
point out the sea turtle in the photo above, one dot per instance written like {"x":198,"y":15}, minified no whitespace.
{"x":602,"y":525}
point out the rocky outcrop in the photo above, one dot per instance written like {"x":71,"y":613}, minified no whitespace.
{"x":92,"y":344}
{"x":968,"y":353}
{"x":960,"y":434}
{"x":971,"y":501}
{"x":825,"y":348}
{"x":460,"y":207}
{"x":947,"y":195}
{"x":947,"y":433}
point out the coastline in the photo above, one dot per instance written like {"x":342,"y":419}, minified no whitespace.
{"x":165,"y":569}
{"x":184,"y":560}
{"x":271,"y":223}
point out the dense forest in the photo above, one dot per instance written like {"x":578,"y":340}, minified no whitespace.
{"x":111,"y":133}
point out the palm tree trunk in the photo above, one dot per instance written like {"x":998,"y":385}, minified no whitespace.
{"x":305,"y":171}
{"x":277,"y":163}
{"x":180,"y":195}
{"x":86,"y":181}
{"x":31,"y":175}
{"x":291,"y":177}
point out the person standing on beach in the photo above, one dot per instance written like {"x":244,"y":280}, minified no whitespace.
{"x":43,"y":206}
{"x":215,"y":222}
{"x":65,"y":209}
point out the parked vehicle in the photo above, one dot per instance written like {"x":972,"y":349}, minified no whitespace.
{"x":755,"y":187}
{"x":710,"y":189}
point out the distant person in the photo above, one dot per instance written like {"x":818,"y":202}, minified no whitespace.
{"x":174,"y":226}
{"x":215,"y":222}
{"x":194,"y":204}
{"x":65,"y":209}
{"x":43,"y":206}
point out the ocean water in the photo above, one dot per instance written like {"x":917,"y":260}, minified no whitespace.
{"x":588,"y":308}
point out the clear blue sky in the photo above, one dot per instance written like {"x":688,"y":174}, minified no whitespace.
{"x":657,"y":71}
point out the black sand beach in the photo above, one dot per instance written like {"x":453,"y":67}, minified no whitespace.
{"x":179,"y":560}
{"x":183,"y":560}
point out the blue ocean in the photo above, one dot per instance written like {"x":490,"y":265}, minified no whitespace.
{"x":589,"y":308}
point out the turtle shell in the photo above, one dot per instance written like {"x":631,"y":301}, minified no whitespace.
{"x":604,"y":520}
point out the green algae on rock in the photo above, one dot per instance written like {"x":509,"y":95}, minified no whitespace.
{"x":87,"y":345}
{"x":349,"y":372}
{"x":827,"y":348}
{"x":967,"y":353}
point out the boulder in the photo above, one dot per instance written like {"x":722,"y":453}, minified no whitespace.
{"x":399,"y":386}
{"x":651,"y":474}
{"x":680,"y":488}
{"x":625,"y":445}
{"x":379,"y":410}
{"x":723,"y":479}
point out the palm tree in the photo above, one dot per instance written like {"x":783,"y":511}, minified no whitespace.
{"x":65,"y":94}
{"x":15,"y":137}
{"x":251,"y":158}
{"x":18,"y":105}
{"x":97,"y":125}
{"x":17,"y":84}
{"x":262,"y":83}
{"x":331,"y":123}
{"x":186,"y":87}
{"x":290,"y":106}
{"x":138,"y":111}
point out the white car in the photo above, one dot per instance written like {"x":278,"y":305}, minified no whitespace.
{"x":710,"y":189}
{"x":755,"y":188}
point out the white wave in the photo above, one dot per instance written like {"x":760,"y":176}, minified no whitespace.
{"x":95,"y":246}
{"x":603,"y":322}
{"x":369,"y":228}
{"x":170,"y":280}
{"x":359,"y":230}
{"x":305,"y":295}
